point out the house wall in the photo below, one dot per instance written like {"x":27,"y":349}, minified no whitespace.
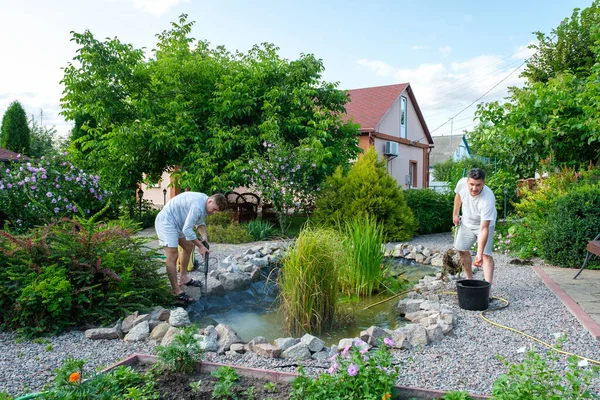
{"x":155,"y":193}
{"x":390,"y":125}
{"x":461,"y":151}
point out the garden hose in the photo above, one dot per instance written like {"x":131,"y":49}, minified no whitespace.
{"x":482,"y":315}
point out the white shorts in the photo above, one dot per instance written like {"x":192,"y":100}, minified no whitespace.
{"x":466,"y":237}
{"x":168,"y":235}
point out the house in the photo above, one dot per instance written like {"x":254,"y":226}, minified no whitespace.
{"x":453,"y":147}
{"x":391,"y":121}
{"x":8,"y":156}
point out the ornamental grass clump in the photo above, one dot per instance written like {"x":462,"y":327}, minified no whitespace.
{"x":309,"y":280}
{"x":363,"y":238}
{"x":355,"y":373}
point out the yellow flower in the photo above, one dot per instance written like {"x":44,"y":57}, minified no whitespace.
{"x":74,"y":377}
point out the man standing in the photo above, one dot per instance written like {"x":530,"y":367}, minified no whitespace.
{"x":175,"y":227}
{"x":477,"y":224}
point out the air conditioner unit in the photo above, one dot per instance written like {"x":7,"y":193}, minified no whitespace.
{"x":391,"y":149}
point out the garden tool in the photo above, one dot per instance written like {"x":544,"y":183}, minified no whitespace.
{"x":205,"y":243}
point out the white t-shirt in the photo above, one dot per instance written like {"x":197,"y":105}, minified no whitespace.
{"x":476,"y":208}
{"x":184,"y":211}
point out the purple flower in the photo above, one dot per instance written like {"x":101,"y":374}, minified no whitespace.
{"x":56,"y":210}
{"x":9,"y":186}
{"x":44,"y":176}
{"x":49,"y":194}
{"x":333,"y":368}
{"x":388,"y":341}
{"x":20,"y":183}
{"x":7,"y":170}
{"x":314,"y":165}
{"x":91,"y":190}
{"x":346,"y":349}
{"x":352,"y":370}
{"x":54,"y":201}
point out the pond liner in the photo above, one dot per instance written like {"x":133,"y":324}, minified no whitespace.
{"x":404,"y":392}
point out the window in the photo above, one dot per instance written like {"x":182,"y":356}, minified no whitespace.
{"x":403,"y":112}
{"x":412,"y":173}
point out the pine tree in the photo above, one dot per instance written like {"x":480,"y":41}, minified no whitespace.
{"x":367,"y":189}
{"x":15,"y":133}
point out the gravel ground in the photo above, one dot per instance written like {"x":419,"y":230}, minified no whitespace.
{"x":465,"y":360}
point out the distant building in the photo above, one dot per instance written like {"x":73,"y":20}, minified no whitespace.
{"x":453,"y":147}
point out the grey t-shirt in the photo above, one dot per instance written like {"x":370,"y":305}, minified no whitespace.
{"x":185,"y":211}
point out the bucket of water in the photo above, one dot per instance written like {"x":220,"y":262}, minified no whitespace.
{"x":473,"y":294}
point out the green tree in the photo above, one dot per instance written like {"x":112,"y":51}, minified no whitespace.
{"x":201,"y":108}
{"x":569,"y":47}
{"x":16,"y":135}
{"x":44,"y":141}
{"x":367,"y":189}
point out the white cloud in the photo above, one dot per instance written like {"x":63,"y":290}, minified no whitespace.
{"x":420,"y":47}
{"x":524,"y":51}
{"x":157,"y":7}
{"x":445,"y":51}
{"x":444,"y":89}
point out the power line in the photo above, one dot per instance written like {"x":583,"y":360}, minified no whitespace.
{"x":482,"y":96}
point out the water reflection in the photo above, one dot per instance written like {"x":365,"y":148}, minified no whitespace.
{"x":253,"y":312}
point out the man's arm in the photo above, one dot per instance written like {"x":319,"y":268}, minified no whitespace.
{"x":457,"y":204}
{"x":484,"y":230}
{"x":202,"y":232}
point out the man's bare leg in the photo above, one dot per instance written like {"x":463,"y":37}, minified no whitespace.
{"x":488,"y":270}
{"x":465,"y":257}
{"x":172,"y":255}
{"x":187,"y":248}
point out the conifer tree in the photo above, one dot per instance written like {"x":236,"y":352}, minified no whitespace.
{"x":367,"y":189}
{"x":15,"y":132}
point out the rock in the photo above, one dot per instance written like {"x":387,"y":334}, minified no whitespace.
{"x":101,"y":333}
{"x":214,"y":287}
{"x":239,"y":348}
{"x":179,"y":317}
{"x":286,"y":343}
{"x":257,"y":340}
{"x":160,"y":314}
{"x":234,"y":281}
{"x":434,"y":333}
{"x":226,"y":337}
{"x":169,"y":336}
{"x":313,"y":343}
{"x":430,"y":305}
{"x":128,"y":322}
{"x":267,"y":350}
{"x":374,"y":335}
{"x":159,"y":331}
{"x":320,"y":356}
{"x":420,"y":258}
{"x":141,"y":318}
{"x":407,"y":306}
{"x":298,"y":351}
{"x":138,"y":333}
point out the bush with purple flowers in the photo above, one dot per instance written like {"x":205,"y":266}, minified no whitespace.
{"x":356,"y":373}
{"x":37,"y":192}
{"x":286,"y":177}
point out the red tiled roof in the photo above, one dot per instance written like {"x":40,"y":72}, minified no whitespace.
{"x":7,"y":155}
{"x":368,"y":106}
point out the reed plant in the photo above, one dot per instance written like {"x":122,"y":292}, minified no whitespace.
{"x":309,"y":280}
{"x":363,"y":239}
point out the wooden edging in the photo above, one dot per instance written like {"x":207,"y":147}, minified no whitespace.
{"x":277,"y":376}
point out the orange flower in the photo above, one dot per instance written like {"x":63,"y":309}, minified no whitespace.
{"x":74,"y":377}
{"x":386,"y":396}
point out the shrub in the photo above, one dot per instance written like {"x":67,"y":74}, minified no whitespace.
{"x":36,"y":193}
{"x":364,"y":240}
{"x":76,"y":272}
{"x":356,"y":372}
{"x":182,"y":354}
{"x":309,"y":280}
{"x":367,"y":189}
{"x":432,"y":210}
{"x":572,"y":222}
{"x":221,"y":228}
{"x":260,"y":230}
{"x":120,"y":383}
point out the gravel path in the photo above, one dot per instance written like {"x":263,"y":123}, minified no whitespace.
{"x":465,"y":360}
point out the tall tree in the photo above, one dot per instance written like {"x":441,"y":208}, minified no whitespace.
{"x":569,"y":47}
{"x":204,"y":109}
{"x":16,"y":135}
{"x":44,"y":140}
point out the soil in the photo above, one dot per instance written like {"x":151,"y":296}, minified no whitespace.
{"x":177,"y":386}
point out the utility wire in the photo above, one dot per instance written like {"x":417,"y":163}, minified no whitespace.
{"x":482,"y":96}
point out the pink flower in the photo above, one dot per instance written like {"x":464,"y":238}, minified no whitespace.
{"x":352,"y":370}
{"x":333,"y":368}
{"x":346,"y":349}
{"x":388,"y":341}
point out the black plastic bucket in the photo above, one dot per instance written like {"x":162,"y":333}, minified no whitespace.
{"x":473,"y":294}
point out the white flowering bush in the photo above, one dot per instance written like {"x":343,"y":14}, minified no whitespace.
{"x":37,"y":192}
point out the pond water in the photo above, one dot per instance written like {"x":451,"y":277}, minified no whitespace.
{"x":253,"y":312}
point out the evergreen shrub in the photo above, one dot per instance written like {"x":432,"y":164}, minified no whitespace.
{"x":367,"y":189}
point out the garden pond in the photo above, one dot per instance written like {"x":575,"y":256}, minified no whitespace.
{"x":253,"y":312}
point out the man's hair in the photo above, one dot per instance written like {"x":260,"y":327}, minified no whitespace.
{"x":220,"y":201}
{"x":477,"y":174}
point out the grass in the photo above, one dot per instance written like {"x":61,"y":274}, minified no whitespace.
{"x":309,"y":281}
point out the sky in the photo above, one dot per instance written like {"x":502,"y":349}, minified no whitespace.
{"x":454,"y":53}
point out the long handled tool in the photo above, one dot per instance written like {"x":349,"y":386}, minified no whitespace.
{"x":205,"y":243}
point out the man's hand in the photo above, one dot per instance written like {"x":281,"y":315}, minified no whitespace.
{"x":478,"y":260}
{"x":202,"y":249}
{"x":456,"y":220}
